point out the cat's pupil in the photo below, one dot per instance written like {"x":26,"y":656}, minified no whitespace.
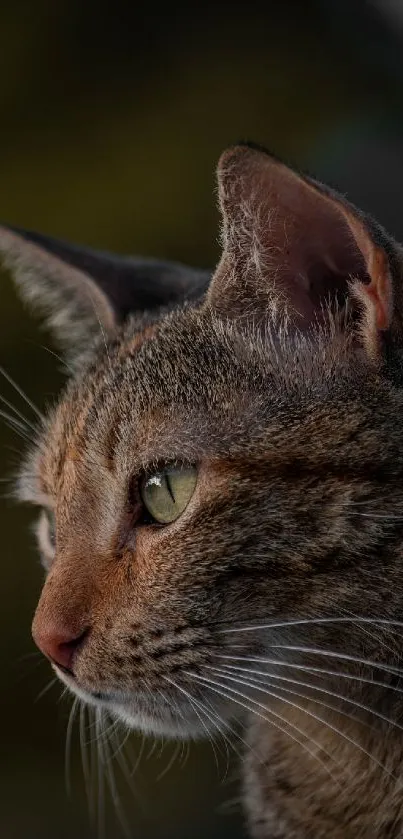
{"x":166,"y":494}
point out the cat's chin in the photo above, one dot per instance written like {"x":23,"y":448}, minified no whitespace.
{"x":158,"y":723}
{"x":143,"y":712}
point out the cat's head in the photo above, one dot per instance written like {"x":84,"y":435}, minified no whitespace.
{"x":226,"y":454}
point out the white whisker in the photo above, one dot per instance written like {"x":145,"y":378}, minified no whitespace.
{"x":388,"y":668}
{"x":100,"y":779}
{"x":126,"y":770}
{"x":194,"y":703}
{"x":318,"y":719}
{"x":171,"y":762}
{"x":327,"y":724}
{"x":369,"y":634}
{"x":21,"y":393}
{"x":16,"y":426}
{"x":86,"y":767}
{"x":135,"y":763}
{"x":110,"y":778}
{"x":46,"y":688}
{"x":229,"y":693}
{"x":59,"y":358}
{"x":26,"y":422}
{"x":112,"y":735}
{"x":314,"y":621}
{"x":277,"y":678}
{"x":310,"y":669}
{"x":67,"y":752}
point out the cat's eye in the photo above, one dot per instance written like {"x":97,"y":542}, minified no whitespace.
{"x":166,"y":494}
{"x":51,"y":529}
{"x":46,"y":535}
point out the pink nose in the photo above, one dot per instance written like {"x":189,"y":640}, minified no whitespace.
{"x":60,"y":647}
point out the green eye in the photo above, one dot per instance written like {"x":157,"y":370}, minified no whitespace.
{"x":166,"y":494}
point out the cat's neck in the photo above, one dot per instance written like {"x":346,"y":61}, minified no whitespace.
{"x":313,"y":772}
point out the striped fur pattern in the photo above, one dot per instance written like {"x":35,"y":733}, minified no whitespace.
{"x":276,"y":598}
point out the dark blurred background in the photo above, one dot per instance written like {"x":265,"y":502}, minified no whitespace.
{"x":111,"y":125}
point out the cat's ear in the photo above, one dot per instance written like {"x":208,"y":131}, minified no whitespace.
{"x":82,"y":291}
{"x":292,"y":245}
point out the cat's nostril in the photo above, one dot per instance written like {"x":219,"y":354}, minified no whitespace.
{"x":59,"y":647}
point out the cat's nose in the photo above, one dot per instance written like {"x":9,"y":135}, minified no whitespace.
{"x":60,"y":646}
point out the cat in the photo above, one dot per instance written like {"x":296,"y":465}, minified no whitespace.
{"x":220,"y":488}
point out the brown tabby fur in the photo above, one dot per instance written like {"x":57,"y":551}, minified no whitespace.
{"x":291,"y":408}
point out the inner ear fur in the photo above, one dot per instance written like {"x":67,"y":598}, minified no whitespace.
{"x":292,"y":245}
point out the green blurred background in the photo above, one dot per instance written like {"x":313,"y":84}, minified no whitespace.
{"x":111,"y":126}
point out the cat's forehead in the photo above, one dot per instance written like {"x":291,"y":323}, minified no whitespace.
{"x":187,"y":387}
{"x":177,"y":389}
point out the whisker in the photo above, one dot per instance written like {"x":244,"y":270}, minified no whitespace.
{"x":33,"y":654}
{"x":93,"y":757}
{"x":67,"y":752}
{"x":223,"y":692}
{"x":237,"y":670}
{"x":120,"y":745}
{"x":310,"y":669}
{"x":23,"y":395}
{"x":119,"y":756}
{"x":173,"y":758}
{"x":185,"y":754}
{"x":100,"y":781}
{"x":314,"y":621}
{"x":65,"y":692}
{"x":314,"y":716}
{"x":110,"y":778}
{"x":236,"y":734}
{"x":162,"y":747}
{"x":111,"y":727}
{"x":193,"y":703}
{"x":388,"y":668}
{"x":46,"y":689}
{"x":26,"y":422}
{"x":371,"y":635}
{"x":58,"y":357}
{"x":217,"y":723}
{"x":327,"y":724}
{"x":179,"y":749}
{"x":130,"y":771}
{"x":152,"y":749}
{"x":32,"y":661}
{"x":381,"y":499}
{"x":110,"y":734}
{"x":85,"y":762}
{"x":16,"y":426}
{"x":385,"y":516}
